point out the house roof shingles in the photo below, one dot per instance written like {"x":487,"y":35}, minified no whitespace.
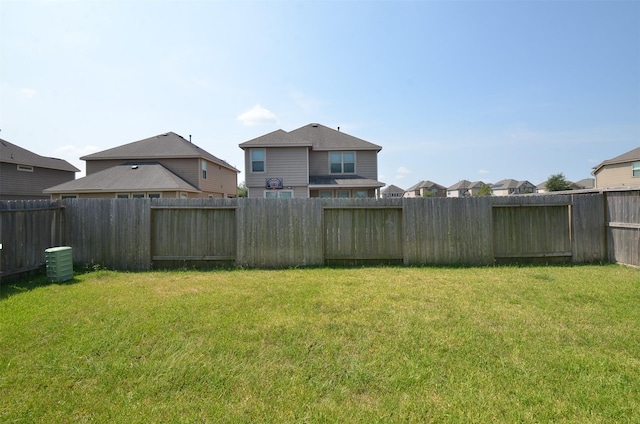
{"x":329,"y":181}
{"x":425,"y":184}
{"x":392,"y":189}
{"x":168,"y":145}
{"x":465,"y":184}
{"x":630,"y":156}
{"x":10,"y":153}
{"x":316,"y":136}
{"x":128,"y":177}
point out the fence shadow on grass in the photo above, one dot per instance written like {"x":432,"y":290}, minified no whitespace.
{"x":25,"y":282}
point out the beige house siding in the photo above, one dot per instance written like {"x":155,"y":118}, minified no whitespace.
{"x":23,"y":185}
{"x":616,"y":175}
{"x":220,"y":181}
{"x":288,"y":163}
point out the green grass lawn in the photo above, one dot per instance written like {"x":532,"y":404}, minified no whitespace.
{"x":495,"y":344}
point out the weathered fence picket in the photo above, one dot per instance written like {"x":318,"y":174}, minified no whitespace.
{"x":140,"y":234}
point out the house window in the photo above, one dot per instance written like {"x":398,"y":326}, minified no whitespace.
{"x":154,"y":195}
{"x":183,"y":195}
{"x":138,"y":195}
{"x":69,"y":196}
{"x":325,"y":194}
{"x":122,"y":196}
{"x":360,"y":194}
{"x":25,"y":168}
{"x":343,"y":194}
{"x":636,"y":169}
{"x":204,"y":169}
{"x":278,"y":194}
{"x":257,"y":160}
{"x":342,"y":162}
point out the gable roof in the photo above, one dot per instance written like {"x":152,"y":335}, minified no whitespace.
{"x":278,"y":138}
{"x":162,"y":146}
{"x":316,"y":136}
{"x":392,"y":189}
{"x":10,"y":153}
{"x":465,"y":184}
{"x":509,"y":183}
{"x":586,"y":183}
{"x":131,"y":176}
{"x":630,"y":156}
{"x":325,"y":138}
{"x":425,"y":184}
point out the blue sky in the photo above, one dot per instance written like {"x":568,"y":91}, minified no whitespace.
{"x":477,"y":90}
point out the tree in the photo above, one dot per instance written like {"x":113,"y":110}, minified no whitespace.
{"x":242,"y":190}
{"x":557,"y":182}
{"x":485,"y":190}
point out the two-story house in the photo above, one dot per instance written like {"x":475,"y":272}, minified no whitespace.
{"x":165,"y":165}
{"x":24,"y":175}
{"x":509,"y":186}
{"x":392,"y":192}
{"x":426,"y":189}
{"x":620,"y":171}
{"x":311,"y":161}
{"x":464,"y":188}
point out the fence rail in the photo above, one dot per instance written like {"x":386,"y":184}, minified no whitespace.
{"x":140,"y":234}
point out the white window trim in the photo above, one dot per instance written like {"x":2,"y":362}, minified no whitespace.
{"x":355,"y":167}
{"x":635,"y":167}
{"x":278,"y":193}
{"x":25,"y":168}
{"x":264,"y":161}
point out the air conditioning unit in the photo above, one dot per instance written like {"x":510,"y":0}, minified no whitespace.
{"x":59,"y":262}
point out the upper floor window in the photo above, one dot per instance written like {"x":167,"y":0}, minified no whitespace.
{"x":25,"y":168}
{"x":204,"y":169}
{"x":257,"y":160}
{"x":636,"y":169}
{"x":342,"y":162}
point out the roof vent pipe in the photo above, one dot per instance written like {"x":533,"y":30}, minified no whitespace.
{"x":338,"y":128}
{"x":189,"y":138}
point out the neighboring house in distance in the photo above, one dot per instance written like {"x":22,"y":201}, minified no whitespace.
{"x":542,"y":187}
{"x":311,"y":161}
{"x":24,"y":175}
{"x":165,"y":166}
{"x":464,"y":188}
{"x":508,"y":187}
{"x":426,"y":189}
{"x":586,"y":183}
{"x":623,"y":170}
{"x":392,"y":192}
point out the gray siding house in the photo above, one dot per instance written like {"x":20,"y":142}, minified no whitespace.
{"x":165,"y":166}
{"x":24,"y":175}
{"x":311,"y":161}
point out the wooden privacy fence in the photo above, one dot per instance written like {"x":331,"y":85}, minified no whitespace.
{"x":623,"y":226}
{"x":27,"y":229}
{"x":140,"y":234}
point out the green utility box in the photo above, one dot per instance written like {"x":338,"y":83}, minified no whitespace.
{"x":59,"y":263}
